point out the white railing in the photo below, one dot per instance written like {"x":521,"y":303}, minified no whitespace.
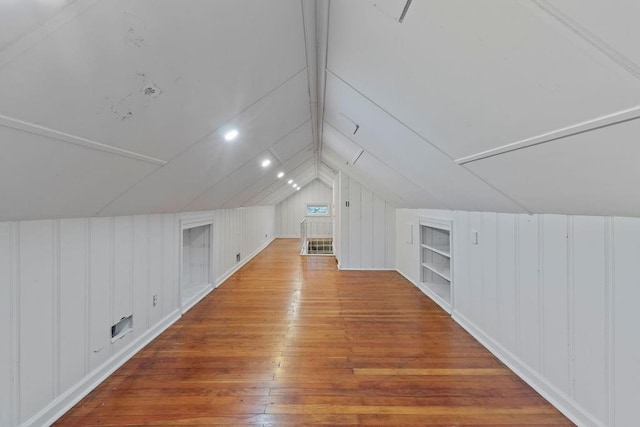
{"x":314,"y":228}
{"x":303,"y":237}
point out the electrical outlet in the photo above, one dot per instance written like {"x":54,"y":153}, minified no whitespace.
{"x":238,"y":257}
{"x":155,"y":300}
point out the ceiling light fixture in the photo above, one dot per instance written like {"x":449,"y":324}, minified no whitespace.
{"x":231,"y":135}
{"x":290,"y":181}
{"x":265,"y":163}
{"x":298,"y":189}
{"x":280,"y":175}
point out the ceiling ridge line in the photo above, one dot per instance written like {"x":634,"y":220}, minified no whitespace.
{"x":325,"y":60}
{"x":586,"y":126}
{"x":595,"y":41}
{"x":246,"y":163}
{"x":36,"y":129}
{"x":389,"y":166}
{"x":391,"y":115}
{"x":27,"y":41}
{"x":311,"y":71}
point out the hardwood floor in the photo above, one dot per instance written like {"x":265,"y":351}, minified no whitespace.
{"x":290,"y":340}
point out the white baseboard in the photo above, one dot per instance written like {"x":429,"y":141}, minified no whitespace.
{"x":288,"y":236}
{"x":428,"y":292}
{"x":552,"y":394}
{"x":238,"y":266}
{"x":208,"y":289}
{"x":556,"y":397}
{"x":364,"y":269}
{"x":197,"y":298}
{"x":54,"y":410}
{"x":67,"y":400}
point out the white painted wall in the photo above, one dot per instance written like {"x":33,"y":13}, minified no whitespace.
{"x":64,"y":282}
{"x":367,"y":228}
{"x":292,"y":210}
{"x":555,"y":297}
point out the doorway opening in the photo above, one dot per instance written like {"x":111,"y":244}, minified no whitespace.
{"x":196,"y":268}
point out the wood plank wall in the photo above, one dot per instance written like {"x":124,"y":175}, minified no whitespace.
{"x":64,"y":282}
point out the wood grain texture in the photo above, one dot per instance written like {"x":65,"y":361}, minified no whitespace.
{"x":290,"y":340}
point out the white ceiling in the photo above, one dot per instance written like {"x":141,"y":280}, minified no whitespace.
{"x":120,"y":107}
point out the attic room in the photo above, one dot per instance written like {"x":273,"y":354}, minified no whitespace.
{"x":462,"y":166}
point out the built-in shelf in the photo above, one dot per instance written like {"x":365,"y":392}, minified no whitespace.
{"x":435,"y":260}
{"x":443,"y":250}
{"x":441,"y":270}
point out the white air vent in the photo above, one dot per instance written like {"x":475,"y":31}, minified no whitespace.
{"x":122,"y":328}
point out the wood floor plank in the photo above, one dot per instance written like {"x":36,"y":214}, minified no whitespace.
{"x":292,"y":341}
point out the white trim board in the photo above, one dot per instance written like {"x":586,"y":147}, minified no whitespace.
{"x":548,"y":391}
{"x":196,"y":298}
{"x":241,"y":264}
{"x":35,"y":129}
{"x":428,"y":292}
{"x":565,"y":132}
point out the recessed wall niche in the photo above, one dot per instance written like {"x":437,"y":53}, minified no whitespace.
{"x":196,"y":268}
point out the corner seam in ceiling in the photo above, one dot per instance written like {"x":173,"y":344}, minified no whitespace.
{"x":389,"y":114}
{"x":391,"y":168}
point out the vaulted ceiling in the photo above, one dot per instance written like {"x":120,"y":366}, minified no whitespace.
{"x":121,"y":107}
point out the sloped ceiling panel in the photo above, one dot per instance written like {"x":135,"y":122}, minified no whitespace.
{"x":404,"y":151}
{"x":471,"y":76}
{"x":301,"y":138}
{"x":301,"y":175}
{"x":378,"y":176}
{"x":155,"y":76}
{"x":150,"y":87}
{"x":594,"y":173}
{"x":613,"y":24}
{"x":45,"y":178}
{"x":206,"y":163}
{"x":21,"y":17}
{"x":246,"y":182}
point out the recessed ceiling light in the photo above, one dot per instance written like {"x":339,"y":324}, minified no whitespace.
{"x":290,"y":181}
{"x":231,"y":135}
{"x":265,"y":163}
{"x":281,"y":174}
{"x":298,"y":189}
{"x":294,"y":185}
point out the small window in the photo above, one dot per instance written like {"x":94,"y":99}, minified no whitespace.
{"x":317,"y":209}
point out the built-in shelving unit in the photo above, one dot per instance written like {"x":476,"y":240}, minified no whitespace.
{"x":435,"y":261}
